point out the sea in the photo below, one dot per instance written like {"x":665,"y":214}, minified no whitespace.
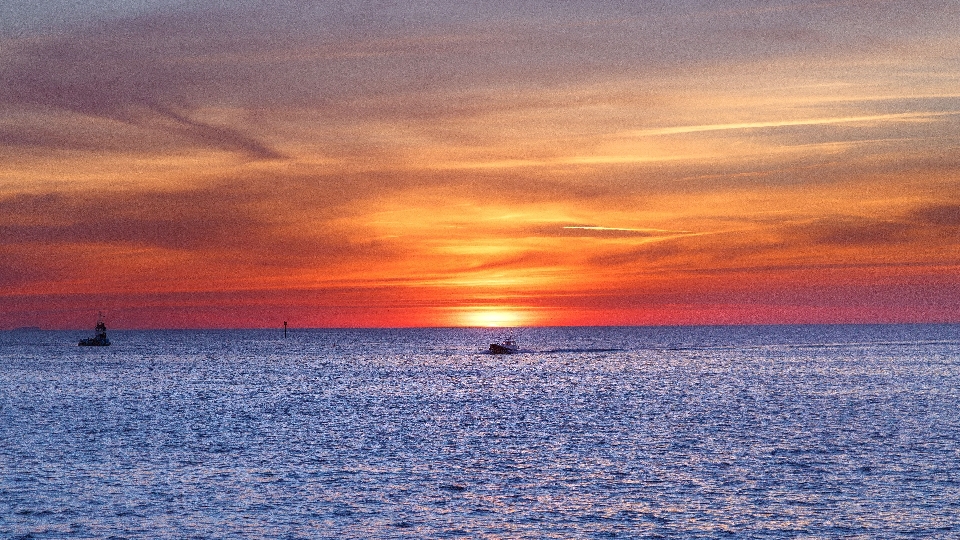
{"x":629,"y":432}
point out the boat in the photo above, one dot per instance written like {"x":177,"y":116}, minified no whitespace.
{"x":100,"y":338}
{"x":507,"y":346}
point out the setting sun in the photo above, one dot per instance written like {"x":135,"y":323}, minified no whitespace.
{"x":491,"y":317}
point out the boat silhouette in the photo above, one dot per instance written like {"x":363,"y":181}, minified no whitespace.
{"x":507,"y":346}
{"x":100,"y":337}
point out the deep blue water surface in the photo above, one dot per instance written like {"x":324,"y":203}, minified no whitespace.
{"x":700,"y":432}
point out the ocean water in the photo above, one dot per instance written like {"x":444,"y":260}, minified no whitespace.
{"x":691,"y":432}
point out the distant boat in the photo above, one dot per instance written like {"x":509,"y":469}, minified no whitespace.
{"x":507,"y":346}
{"x":100,"y":338}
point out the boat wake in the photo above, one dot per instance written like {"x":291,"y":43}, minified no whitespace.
{"x":580,"y":351}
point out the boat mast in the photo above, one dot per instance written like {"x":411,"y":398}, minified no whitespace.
{"x":101,"y":328}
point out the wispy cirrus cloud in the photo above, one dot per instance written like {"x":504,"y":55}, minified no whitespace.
{"x":901,"y":117}
{"x":123,"y":72}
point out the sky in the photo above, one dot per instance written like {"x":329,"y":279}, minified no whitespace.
{"x":365,"y":163}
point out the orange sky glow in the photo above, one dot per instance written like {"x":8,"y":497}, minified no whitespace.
{"x":479,"y":164}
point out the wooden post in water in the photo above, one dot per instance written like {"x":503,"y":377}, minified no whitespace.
{"x":284,"y":328}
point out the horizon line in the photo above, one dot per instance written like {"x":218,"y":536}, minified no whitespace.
{"x":505,"y":328}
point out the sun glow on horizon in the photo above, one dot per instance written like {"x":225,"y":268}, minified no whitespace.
{"x":491,"y":317}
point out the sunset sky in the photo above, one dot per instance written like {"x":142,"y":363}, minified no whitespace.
{"x":435,"y":163}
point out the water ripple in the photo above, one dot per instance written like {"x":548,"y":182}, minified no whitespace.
{"x":759,"y":432}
